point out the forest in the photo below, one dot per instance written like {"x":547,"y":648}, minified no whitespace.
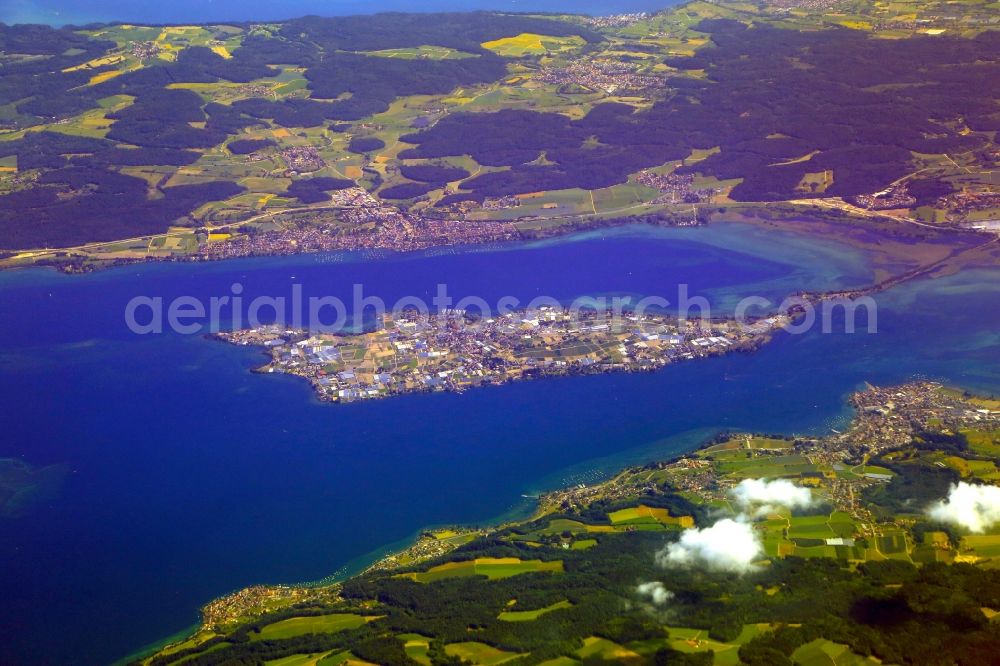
{"x":892,"y":610}
{"x":791,"y":114}
{"x":82,"y":197}
{"x":778,"y":104}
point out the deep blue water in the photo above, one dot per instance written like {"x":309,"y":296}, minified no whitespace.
{"x":80,"y":12}
{"x":191,"y":477}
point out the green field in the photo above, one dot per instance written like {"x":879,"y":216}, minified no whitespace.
{"x":595,"y":647}
{"x":492,"y":567}
{"x":319,"y":624}
{"x":526,"y":616}
{"x":425,"y":52}
{"x":822,"y":652}
{"x":981,"y":545}
{"x":644,"y":515}
{"x":479,"y":653}
{"x":416,"y":646}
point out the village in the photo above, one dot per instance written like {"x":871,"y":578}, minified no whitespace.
{"x":451,"y":351}
{"x":363,"y":223}
{"x":617,"y":20}
{"x":835,"y":466}
{"x":674,"y":188}
{"x":610,"y":76}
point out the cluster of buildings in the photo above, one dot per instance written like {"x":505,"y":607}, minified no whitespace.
{"x":11,"y":181}
{"x":143,"y":50}
{"x":364,"y":223}
{"x":617,"y":20}
{"x":611,"y":76}
{"x":674,"y":188}
{"x":885,"y":419}
{"x":450,"y":351}
{"x":302,"y":159}
{"x":808,"y":5}
{"x":501,"y":203}
{"x":254,"y":90}
{"x":428,"y":546}
{"x":257,"y":600}
{"x":355,"y":197}
{"x":963,"y":203}
{"x":889,"y":417}
{"x":892,"y":198}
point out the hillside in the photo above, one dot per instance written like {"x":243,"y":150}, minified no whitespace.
{"x":398,"y":131}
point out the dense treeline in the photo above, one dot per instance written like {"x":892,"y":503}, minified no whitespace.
{"x":168,"y":124}
{"x":772,"y":97}
{"x":374,"y":82}
{"x":365,"y":144}
{"x":37,"y":82}
{"x":891,"y":609}
{"x":433,"y":173}
{"x":406,"y":191}
{"x":314,"y":190}
{"x":74,"y":205}
{"x":247,"y":146}
{"x":117,"y":157}
{"x":917,"y":480}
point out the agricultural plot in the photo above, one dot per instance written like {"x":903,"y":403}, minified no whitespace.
{"x":984,"y":442}
{"x":981,"y":545}
{"x":622,"y":197}
{"x":425,"y":52}
{"x":528,"y":615}
{"x":810,"y":527}
{"x":560,"y":525}
{"x":303,"y":660}
{"x":493,"y":568}
{"x":601,"y":648}
{"x":645,"y":516}
{"x":416,"y":647}
{"x":893,"y":544}
{"x":768,"y":467}
{"x":693,"y":641}
{"x":319,"y":624}
{"x":768,"y":443}
{"x":532,"y":44}
{"x":479,"y":653}
{"x":822,"y":652}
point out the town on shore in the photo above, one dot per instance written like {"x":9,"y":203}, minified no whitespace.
{"x":451,"y":351}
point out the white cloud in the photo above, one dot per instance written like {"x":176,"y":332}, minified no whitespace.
{"x":767,"y":495}
{"x":728,"y":545}
{"x":973,"y":507}
{"x":655,"y":591}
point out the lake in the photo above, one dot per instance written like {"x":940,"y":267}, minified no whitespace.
{"x":187,"y":477}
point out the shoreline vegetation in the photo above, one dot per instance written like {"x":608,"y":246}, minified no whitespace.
{"x":863,"y":478}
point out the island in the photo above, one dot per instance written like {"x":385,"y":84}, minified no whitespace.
{"x":713,"y":557}
{"x":413,"y":352}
